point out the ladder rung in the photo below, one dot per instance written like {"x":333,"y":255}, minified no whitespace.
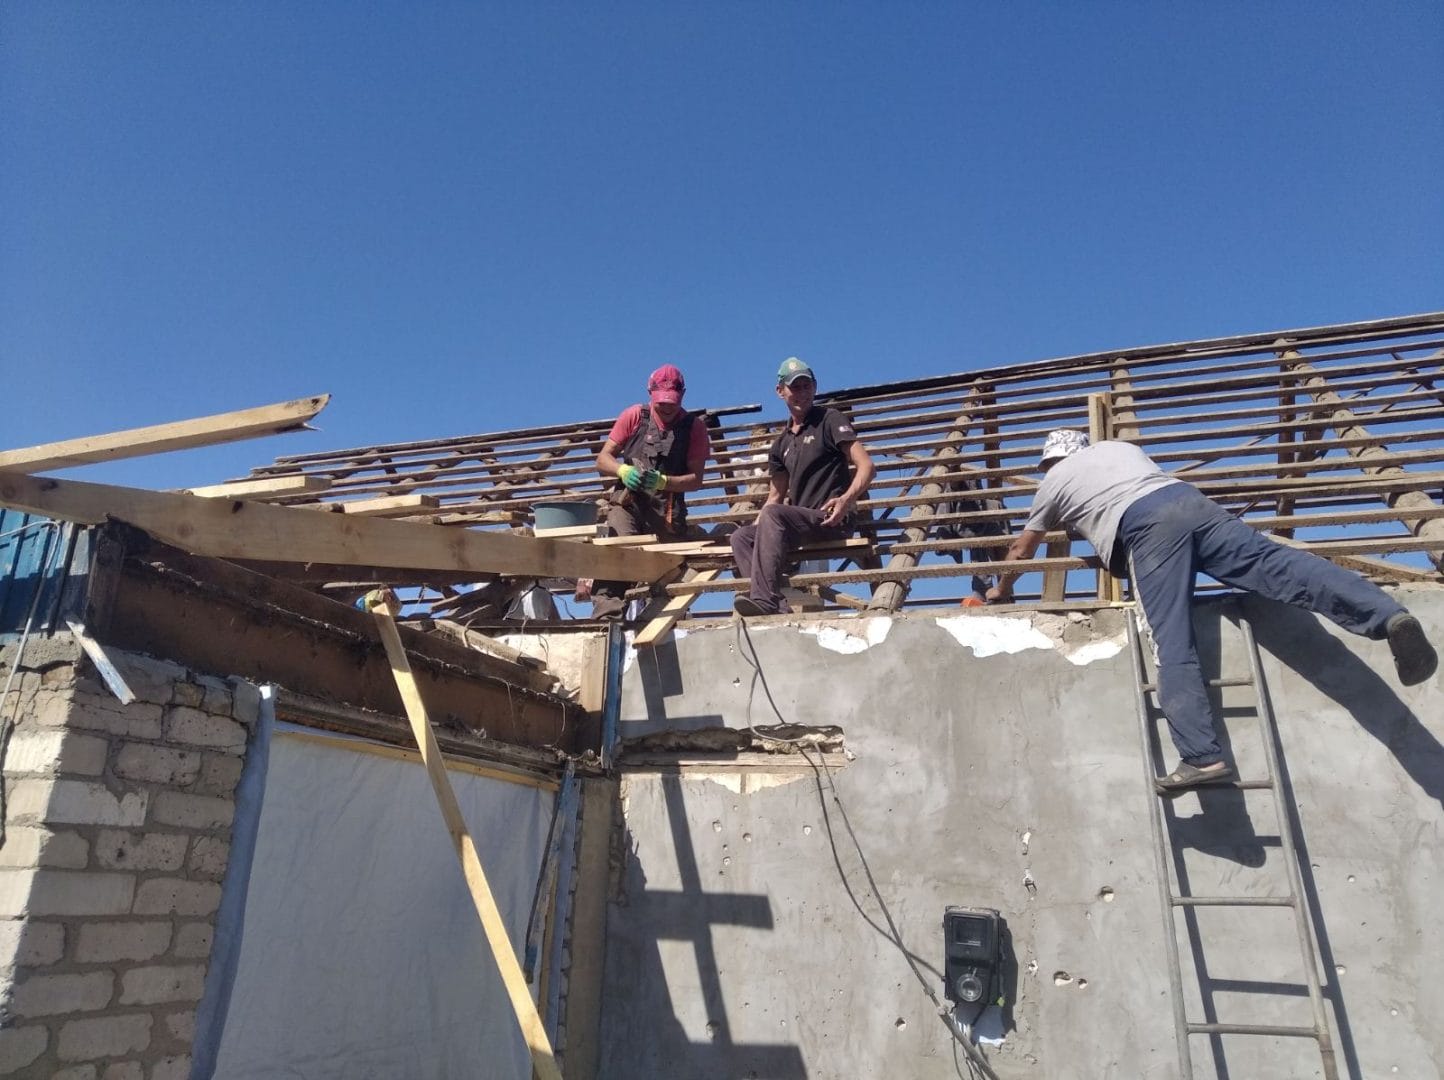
{"x":1232,"y":901}
{"x":1236,"y":785}
{"x":1253,"y":1029}
{"x":1243,"y":680}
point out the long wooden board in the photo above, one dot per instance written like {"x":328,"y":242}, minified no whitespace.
{"x":237,"y":529}
{"x":543,"y":1060}
{"x":159,"y":438}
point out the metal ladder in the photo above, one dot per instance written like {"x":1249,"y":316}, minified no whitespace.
{"x":1171,"y":902}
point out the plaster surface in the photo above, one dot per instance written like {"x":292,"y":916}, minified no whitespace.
{"x":745,"y":938}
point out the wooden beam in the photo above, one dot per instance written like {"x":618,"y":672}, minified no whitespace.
{"x":391,"y":505}
{"x":502,"y":951}
{"x":159,"y":438}
{"x":672,"y":610}
{"x":271,"y":487}
{"x":236,"y":529}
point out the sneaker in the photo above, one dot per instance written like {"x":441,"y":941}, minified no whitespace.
{"x":1414,"y":658}
{"x":745,"y":605}
{"x":1191,"y":776}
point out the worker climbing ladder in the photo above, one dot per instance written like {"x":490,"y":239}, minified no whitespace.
{"x":1161,"y":821}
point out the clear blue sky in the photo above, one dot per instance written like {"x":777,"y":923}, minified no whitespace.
{"x":466,"y":217}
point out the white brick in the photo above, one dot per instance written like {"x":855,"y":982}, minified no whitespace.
{"x":49,"y":709}
{"x":246,"y":699}
{"x":162,"y":985}
{"x":218,"y":699}
{"x":124,"y":1070}
{"x":158,"y":764}
{"x":75,"y":802}
{"x":95,"y":712}
{"x":182,"y":1026}
{"x":174,"y":896}
{"x":29,"y":845}
{"x":188,"y":694}
{"x":193,"y":941}
{"x":105,"y":943}
{"x":20,"y":1046}
{"x":150,"y":679}
{"x":30,"y":944}
{"x":59,"y":677}
{"x":75,"y":1072}
{"x":193,"y":811}
{"x":171,"y":1068}
{"x":47,"y":751}
{"x":64,"y":892}
{"x":103,"y":1037}
{"x":52,"y":995}
{"x":209,"y":856}
{"x":219,"y":775}
{"x":116,"y":850}
{"x":192,"y":727}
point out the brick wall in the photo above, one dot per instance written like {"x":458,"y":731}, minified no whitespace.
{"x":117,"y":835}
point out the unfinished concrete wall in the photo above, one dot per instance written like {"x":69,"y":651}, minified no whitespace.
{"x":996,"y":762}
{"x":117,"y":836}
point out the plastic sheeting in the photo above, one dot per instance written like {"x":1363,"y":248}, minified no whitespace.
{"x":361,"y":954}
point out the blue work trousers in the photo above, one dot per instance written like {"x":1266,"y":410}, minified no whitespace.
{"x":1174,"y":532}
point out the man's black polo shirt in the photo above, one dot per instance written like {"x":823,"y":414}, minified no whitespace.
{"x":814,"y":457}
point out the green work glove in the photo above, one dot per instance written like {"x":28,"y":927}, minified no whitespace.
{"x":631,"y":477}
{"x":652,"y":480}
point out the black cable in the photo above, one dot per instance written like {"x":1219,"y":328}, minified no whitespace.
{"x":892,"y":934}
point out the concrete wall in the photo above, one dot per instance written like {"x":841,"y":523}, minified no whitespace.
{"x":117,"y":836}
{"x":996,"y":762}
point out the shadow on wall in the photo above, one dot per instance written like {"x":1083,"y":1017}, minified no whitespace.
{"x":1297,"y":640}
{"x":642,"y":1022}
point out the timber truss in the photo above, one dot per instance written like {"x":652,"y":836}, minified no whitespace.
{"x":1329,"y":438}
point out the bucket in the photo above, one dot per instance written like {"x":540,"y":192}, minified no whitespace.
{"x":561,"y":515}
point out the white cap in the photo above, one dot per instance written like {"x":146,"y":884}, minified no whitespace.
{"x":1062,"y":443}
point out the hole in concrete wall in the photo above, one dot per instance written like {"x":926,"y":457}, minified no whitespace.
{"x":1106,"y":894}
{"x":1062,"y":978}
{"x":900,"y":1023}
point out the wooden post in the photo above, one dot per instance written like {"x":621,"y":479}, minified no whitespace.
{"x":384,"y":607}
{"x":1100,"y":428}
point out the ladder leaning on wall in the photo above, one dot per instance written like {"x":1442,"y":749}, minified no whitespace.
{"x":1161,"y":820}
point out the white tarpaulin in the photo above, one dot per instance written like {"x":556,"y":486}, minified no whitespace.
{"x":361,"y":955}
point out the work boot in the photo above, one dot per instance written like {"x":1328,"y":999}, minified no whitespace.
{"x":1414,"y":658}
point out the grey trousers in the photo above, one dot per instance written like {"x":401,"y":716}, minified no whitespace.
{"x":761,"y":550}
{"x":1173,"y":533}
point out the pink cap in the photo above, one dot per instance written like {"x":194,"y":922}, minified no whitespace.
{"x":666,"y":385}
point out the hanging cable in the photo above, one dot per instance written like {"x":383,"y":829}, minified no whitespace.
{"x":961,"y":1032}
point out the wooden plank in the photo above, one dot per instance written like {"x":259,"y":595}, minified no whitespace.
{"x":159,"y":438}
{"x":391,"y":505}
{"x":231,"y":529}
{"x":272,"y":487}
{"x":567,"y":532}
{"x":543,"y":1060}
{"x":672,"y":610}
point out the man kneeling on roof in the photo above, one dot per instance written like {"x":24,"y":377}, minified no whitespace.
{"x":657,"y":452}
{"x":819,"y":470}
{"x":1160,"y":531}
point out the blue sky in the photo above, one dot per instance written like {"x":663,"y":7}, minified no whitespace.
{"x":468,"y":217}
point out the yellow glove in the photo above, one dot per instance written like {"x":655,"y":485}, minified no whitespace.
{"x":652,"y":480}
{"x":631,"y":477}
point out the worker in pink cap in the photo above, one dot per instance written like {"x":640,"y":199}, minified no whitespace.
{"x":657,"y":452}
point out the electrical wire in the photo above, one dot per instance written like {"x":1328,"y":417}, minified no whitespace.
{"x":961,"y":1032}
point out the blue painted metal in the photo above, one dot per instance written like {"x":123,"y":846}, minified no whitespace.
{"x":37,"y":562}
